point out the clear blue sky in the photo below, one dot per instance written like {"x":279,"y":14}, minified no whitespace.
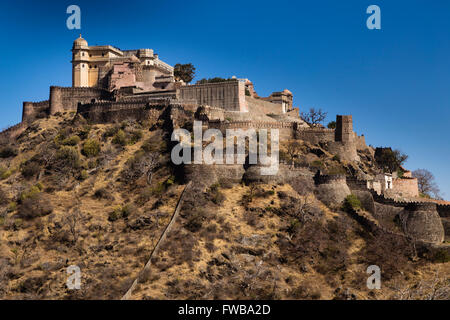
{"x":394,"y":81}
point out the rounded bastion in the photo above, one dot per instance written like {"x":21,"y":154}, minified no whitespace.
{"x":421,"y":221}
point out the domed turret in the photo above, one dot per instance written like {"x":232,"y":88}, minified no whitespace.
{"x":80,"y":42}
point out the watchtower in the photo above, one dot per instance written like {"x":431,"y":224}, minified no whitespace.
{"x":344,"y":129}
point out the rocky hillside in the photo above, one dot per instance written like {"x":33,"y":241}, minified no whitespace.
{"x":101,"y":196}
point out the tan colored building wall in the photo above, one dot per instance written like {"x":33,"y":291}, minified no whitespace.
{"x":80,"y":74}
{"x":91,"y":65}
{"x":264,"y":106}
{"x":406,"y":187}
{"x":229,"y":95}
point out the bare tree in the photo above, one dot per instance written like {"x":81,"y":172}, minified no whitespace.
{"x":151,"y":163}
{"x":293,"y":148}
{"x":427,"y":183}
{"x":437,"y":288}
{"x":314,"y":116}
{"x":73,"y":220}
{"x":142,"y":165}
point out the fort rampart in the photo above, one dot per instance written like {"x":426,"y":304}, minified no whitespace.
{"x":32,"y":109}
{"x":443,"y":210}
{"x":13,"y":131}
{"x":264,"y":106}
{"x":314,"y":135}
{"x":228,"y":95}
{"x":356,"y":184}
{"x":285,"y":128}
{"x":108,"y":111}
{"x":328,"y":178}
{"x":136,"y":109}
{"x":64,"y":99}
{"x":406,"y":187}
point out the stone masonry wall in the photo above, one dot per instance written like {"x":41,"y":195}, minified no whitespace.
{"x":360,"y":142}
{"x":443,"y":210}
{"x":32,"y":109}
{"x":344,"y":129}
{"x":422,"y":222}
{"x":13,"y":131}
{"x":314,"y":135}
{"x":406,"y":187}
{"x":265,"y":107}
{"x":285,"y":128}
{"x":108,"y":112}
{"x":64,"y":99}
{"x":228,"y":95}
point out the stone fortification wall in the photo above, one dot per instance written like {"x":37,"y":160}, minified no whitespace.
{"x":32,"y":109}
{"x":331,"y":189}
{"x":314,"y":135}
{"x":345,"y":150}
{"x":344,"y":129}
{"x":360,"y":142}
{"x":284,"y":174}
{"x":108,"y":111}
{"x":130,"y":109}
{"x":264,"y":107}
{"x":131,"y":94}
{"x":66,"y":99}
{"x":285,"y":128}
{"x":206,"y":113}
{"x":422,"y":222}
{"x":407,"y":187}
{"x":356,"y":184}
{"x":229,"y":95}
{"x":13,"y":131}
{"x":443,"y":210}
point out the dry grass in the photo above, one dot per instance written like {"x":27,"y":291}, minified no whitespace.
{"x":220,"y":247}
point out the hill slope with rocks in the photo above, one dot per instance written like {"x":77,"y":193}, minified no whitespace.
{"x":101,"y":196}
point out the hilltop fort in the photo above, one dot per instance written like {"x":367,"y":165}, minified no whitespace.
{"x":87,"y":178}
{"x":111,"y":85}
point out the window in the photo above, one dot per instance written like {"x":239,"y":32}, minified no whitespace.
{"x":82,"y":54}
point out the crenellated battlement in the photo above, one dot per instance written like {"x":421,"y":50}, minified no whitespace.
{"x":32,"y":109}
{"x":328,"y":178}
{"x":250,"y":124}
{"x":13,"y":131}
{"x":78,"y":89}
{"x":443,"y":210}
{"x":421,"y":206}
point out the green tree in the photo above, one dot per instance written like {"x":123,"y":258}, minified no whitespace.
{"x":215,"y":80}
{"x":185,"y":72}
{"x":390,"y":160}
